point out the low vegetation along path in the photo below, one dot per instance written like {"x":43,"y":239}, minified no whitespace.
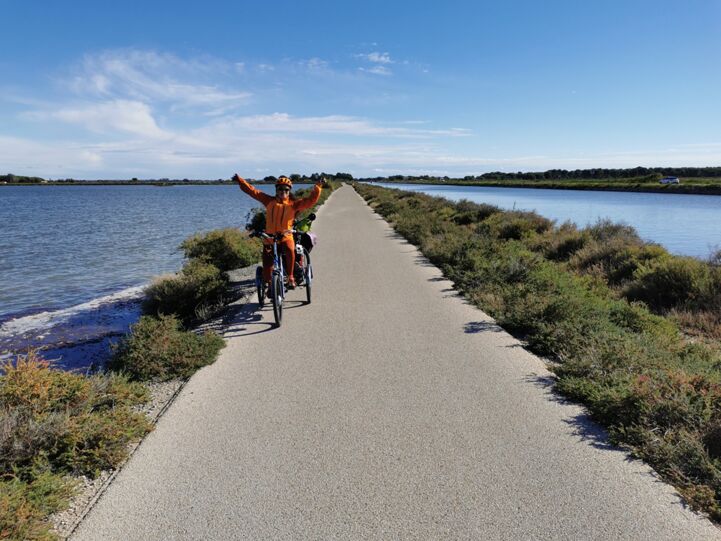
{"x":386,"y":409}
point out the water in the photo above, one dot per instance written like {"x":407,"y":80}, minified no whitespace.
{"x":74,"y":259}
{"x":683,"y":224}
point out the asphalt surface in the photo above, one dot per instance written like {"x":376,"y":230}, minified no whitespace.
{"x":386,"y":409}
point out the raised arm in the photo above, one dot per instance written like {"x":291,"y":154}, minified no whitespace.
{"x":255,"y":193}
{"x":312,"y":199}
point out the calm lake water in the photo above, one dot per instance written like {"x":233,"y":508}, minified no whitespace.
{"x":684,"y":224}
{"x":63,"y":245}
{"x":78,"y":256}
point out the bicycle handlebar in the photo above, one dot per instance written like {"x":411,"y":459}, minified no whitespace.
{"x":264,"y":235}
{"x":278,"y":236}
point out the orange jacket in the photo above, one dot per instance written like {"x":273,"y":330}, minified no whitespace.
{"x":279,"y":216}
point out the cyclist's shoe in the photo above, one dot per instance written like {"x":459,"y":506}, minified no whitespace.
{"x":291,"y":282}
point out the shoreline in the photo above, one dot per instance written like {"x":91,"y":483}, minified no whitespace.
{"x":77,"y":338}
{"x":670,"y":190}
{"x":163,"y":394}
{"x":150,"y":184}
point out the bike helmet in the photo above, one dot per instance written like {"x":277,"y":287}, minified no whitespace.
{"x":284,"y":181}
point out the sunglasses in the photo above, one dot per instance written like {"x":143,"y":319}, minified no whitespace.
{"x":282,"y":189}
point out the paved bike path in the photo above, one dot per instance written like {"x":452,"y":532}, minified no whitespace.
{"x":386,"y":409}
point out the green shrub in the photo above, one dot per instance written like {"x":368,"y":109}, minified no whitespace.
{"x":159,"y":349}
{"x":257,"y":220}
{"x":712,"y":439}
{"x":198,"y":287}
{"x":417,"y":225}
{"x":467,"y":212}
{"x":227,"y":249}
{"x":673,"y":398}
{"x":561,"y":243}
{"x":615,"y":260}
{"x":53,"y":415}
{"x":554,"y":311}
{"x":514,"y":224}
{"x":446,"y":249}
{"x":605,"y":230}
{"x":670,"y":282}
{"x":710,"y":298}
{"x":54,"y":423}
{"x":636,"y":318}
{"x":25,"y":506}
{"x":680,"y":457}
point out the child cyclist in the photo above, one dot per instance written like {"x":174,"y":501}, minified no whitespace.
{"x":280,"y":211}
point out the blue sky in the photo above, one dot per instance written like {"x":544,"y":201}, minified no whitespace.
{"x":204,"y":89}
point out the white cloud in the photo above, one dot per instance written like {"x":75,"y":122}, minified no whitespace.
{"x":217,"y":150}
{"x":337,"y":124}
{"x":315,"y":64}
{"x":377,"y":57}
{"x":380,"y":63}
{"x":378,"y":70}
{"x":109,"y":117}
{"x":153,"y":77}
{"x":24,"y":156}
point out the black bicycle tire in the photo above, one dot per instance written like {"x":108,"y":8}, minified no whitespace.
{"x":308,"y":275}
{"x":276,"y":291}
{"x":260,"y":286}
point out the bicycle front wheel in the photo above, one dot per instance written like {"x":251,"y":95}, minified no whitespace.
{"x":276,"y":292}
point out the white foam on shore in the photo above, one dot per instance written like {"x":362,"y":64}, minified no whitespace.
{"x":47,"y":320}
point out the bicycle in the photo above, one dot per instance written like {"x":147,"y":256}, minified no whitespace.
{"x":277,"y":279}
{"x":303,"y":272}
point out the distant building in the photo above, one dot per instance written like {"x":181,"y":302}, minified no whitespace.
{"x":669,"y":180}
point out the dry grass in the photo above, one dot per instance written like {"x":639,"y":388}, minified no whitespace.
{"x":54,"y":423}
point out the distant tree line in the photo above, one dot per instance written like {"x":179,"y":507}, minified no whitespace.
{"x":297,"y":178}
{"x":559,"y":174}
{"x":642,"y":173}
{"x":19,"y":179}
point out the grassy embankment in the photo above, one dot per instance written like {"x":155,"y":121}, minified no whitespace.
{"x":55,"y":425}
{"x":630,"y":331}
{"x":691,"y":185}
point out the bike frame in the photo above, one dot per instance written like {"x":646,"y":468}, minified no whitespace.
{"x":277,"y":259}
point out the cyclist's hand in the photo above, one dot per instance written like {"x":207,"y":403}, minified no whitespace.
{"x":237,"y":178}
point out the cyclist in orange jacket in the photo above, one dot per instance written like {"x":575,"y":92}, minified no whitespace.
{"x":280,"y":211}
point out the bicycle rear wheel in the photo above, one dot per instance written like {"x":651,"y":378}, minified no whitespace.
{"x":307,"y":275}
{"x":260,"y":286}
{"x":276,"y":293}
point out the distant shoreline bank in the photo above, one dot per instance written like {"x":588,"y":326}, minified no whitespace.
{"x":692,"y":189}
{"x":125,"y":183}
{"x":151,"y":184}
